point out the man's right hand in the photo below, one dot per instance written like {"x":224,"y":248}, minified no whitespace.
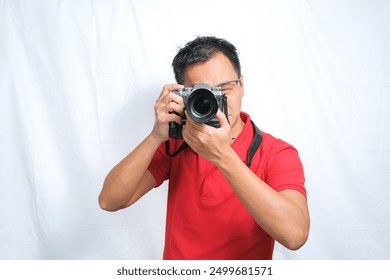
{"x":169,"y":107}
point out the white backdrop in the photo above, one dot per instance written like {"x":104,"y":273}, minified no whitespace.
{"x":78,"y":81}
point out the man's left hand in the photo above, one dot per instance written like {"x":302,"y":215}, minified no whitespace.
{"x":209,"y":142}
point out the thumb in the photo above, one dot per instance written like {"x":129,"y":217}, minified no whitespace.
{"x":221,"y":117}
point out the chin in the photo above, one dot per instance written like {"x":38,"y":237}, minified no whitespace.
{"x":232,"y":120}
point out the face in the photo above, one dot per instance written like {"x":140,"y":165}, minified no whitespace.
{"x":214,"y":72}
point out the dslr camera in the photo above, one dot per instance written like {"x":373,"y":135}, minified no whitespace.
{"x":202,"y":103}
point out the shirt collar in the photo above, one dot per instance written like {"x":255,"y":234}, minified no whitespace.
{"x":244,"y":139}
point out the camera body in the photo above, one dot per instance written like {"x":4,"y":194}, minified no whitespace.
{"x":201,"y":103}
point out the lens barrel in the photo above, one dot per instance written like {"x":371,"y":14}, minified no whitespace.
{"x":202,"y":105}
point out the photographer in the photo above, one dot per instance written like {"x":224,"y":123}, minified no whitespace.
{"x":233,"y":189}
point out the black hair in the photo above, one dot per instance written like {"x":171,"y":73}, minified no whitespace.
{"x":203,"y":49}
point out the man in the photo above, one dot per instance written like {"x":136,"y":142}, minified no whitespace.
{"x":222,"y":204}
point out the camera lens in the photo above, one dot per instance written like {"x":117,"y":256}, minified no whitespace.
{"x":202,"y":105}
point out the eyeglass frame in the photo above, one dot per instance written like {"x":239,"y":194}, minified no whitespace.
{"x":236,"y":82}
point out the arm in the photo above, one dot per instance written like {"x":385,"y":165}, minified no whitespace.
{"x":130,"y":179}
{"x":283,"y":215}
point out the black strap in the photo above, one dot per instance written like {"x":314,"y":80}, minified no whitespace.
{"x":256,"y":142}
{"x":254,"y":145}
{"x":183,"y":146}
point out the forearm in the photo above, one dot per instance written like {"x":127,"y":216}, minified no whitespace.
{"x":129,"y":179}
{"x":282,"y":218}
{"x":123,"y":181}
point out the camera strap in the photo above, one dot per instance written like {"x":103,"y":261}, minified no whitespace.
{"x":254,"y":146}
{"x":183,"y":146}
{"x":257,"y":139}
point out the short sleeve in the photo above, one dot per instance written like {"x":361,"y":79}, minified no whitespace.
{"x":284,"y":169}
{"x":160,"y":165}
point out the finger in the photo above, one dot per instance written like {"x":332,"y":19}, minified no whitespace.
{"x":174,"y":107}
{"x":175,"y":118}
{"x":172,"y":87}
{"x":168,"y":89}
{"x":164,"y":117}
{"x":188,"y":132}
{"x":221,"y":117}
{"x":174,"y":97}
{"x":191,"y":122}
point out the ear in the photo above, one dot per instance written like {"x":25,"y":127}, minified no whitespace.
{"x":242,"y":86}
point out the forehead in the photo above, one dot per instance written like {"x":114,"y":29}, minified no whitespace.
{"x":216,"y":70}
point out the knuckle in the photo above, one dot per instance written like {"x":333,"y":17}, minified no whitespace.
{"x":160,"y":118}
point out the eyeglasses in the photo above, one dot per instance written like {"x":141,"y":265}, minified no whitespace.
{"x":228,"y":86}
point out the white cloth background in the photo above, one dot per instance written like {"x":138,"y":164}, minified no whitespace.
{"x":78,"y":81}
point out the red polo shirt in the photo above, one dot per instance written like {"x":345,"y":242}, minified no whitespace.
{"x":205,"y":218}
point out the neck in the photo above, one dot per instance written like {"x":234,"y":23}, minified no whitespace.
{"x":236,"y":130}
